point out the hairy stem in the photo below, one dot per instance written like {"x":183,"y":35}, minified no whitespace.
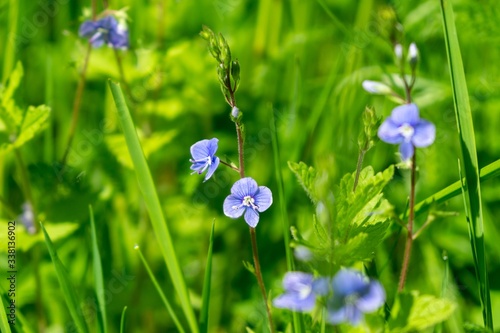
{"x":77,"y":103}
{"x":409,"y":237}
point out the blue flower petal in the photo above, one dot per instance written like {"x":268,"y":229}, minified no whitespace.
{"x":405,"y":114}
{"x":406,"y":150}
{"x":296,"y":280}
{"x":232,"y":207}
{"x":87,"y":29}
{"x":348,"y":313}
{"x":251,"y":217}
{"x":348,"y":281}
{"x":425,"y":133}
{"x":108,"y":23}
{"x":389,"y":132}
{"x":373,"y":299}
{"x":263,"y":198}
{"x":212,"y":168}
{"x":298,"y":295}
{"x":321,"y":286}
{"x":245,"y":187}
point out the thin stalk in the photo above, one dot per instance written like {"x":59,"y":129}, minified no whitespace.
{"x":122,"y":76}
{"x":230,"y":166}
{"x":77,"y":103}
{"x":361,"y":156}
{"x":258,"y":274}
{"x":409,"y":227}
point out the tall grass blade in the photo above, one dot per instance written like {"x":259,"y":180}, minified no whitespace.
{"x":207,"y":282}
{"x":469,"y":156}
{"x":98,"y":277}
{"x":298,"y":323}
{"x":160,"y":291}
{"x":122,"y":321}
{"x":67,"y":287}
{"x":153,"y":206}
{"x":4,"y":323}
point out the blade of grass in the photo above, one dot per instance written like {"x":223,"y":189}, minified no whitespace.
{"x":4,"y":323}
{"x":160,"y":291}
{"x":207,"y":282}
{"x":67,"y":287}
{"x":122,"y":321}
{"x":21,"y":321}
{"x":490,"y":171}
{"x":469,"y":155}
{"x":298,"y":323}
{"x":148,"y":190}
{"x":98,"y":276}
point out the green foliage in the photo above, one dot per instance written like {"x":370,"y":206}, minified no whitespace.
{"x":414,"y":313}
{"x":20,"y":127}
{"x":98,"y":277}
{"x":207,"y":284}
{"x":463,"y":113}
{"x":68,"y":289}
{"x":368,"y":136}
{"x":4,"y":324}
{"x":359,"y":219}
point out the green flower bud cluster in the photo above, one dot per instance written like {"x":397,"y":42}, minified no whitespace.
{"x":371,"y":122}
{"x":228,"y":70}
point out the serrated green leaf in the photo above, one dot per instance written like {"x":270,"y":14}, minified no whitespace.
{"x":307,"y":176}
{"x":10,"y":113}
{"x":413,"y":312}
{"x":118,"y":147}
{"x":34,"y":122}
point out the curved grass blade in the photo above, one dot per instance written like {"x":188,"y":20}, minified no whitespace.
{"x":67,"y":287}
{"x":152,"y":202}
{"x":122,"y":321}
{"x":207,"y":282}
{"x":4,"y":323}
{"x":490,"y":171}
{"x":469,"y":156}
{"x":98,"y":277}
{"x":160,"y":291}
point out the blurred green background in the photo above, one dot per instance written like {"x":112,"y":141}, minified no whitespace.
{"x":302,"y":60}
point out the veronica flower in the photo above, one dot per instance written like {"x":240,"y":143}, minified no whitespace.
{"x":203,"y":153}
{"x":301,"y":290}
{"x":105,"y":31}
{"x":247,"y":198}
{"x":353,"y":295}
{"x":404,"y":127}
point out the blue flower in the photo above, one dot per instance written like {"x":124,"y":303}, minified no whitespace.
{"x":301,"y":290}
{"x":203,"y":153}
{"x":105,"y":31}
{"x":405,"y":127}
{"x":249,"y":198}
{"x":353,"y":295}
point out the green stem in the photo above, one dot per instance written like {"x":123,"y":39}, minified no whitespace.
{"x":409,"y":237}
{"x":361,"y":156}
{"x":122,"y":77}
{"x":77,"y":103}
{"x":230,"y":166}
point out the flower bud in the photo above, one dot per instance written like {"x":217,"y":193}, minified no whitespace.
{"x":398,"y":51}
{"x":413,"y":54}
{"x":377,"y":88}
{"x":235,"y":112}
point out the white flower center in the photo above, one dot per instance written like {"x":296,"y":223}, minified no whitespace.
{"x":351,"y":299}
{"x":248,"y":201}
{"x":304,"y":291}
{"x":406,"y":130}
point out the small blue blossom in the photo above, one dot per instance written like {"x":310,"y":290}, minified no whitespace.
{"x":105,"y":31}
{"x":203,"y":153}
{"x":248,"y":198}
{"x":301,"y":290}
{"x":27,"y":218}
{"x":353,"y":295}
{"x":405,"y":127}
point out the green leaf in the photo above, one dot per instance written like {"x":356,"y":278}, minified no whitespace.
{"x":122,"y":320}
{"x":98,"y":277}
{"x":4,"y":324}
{"x":10,"y":113}
{"x":414,"y":313}
{"x":207,"y":282}
{"x":307,"y":177}
{"x":467,"y":141}
{"x":148,"y":190}
{"x":34,"y":122}
{"x":68,"y":290}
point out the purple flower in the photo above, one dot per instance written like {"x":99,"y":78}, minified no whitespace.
{"x":204,"y":158}
{"x":301,"y":290}
{"x":105,"y":31}
{"x":405,"y":127}
{"x":249,"y":198}
{"x":353,"y":295}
